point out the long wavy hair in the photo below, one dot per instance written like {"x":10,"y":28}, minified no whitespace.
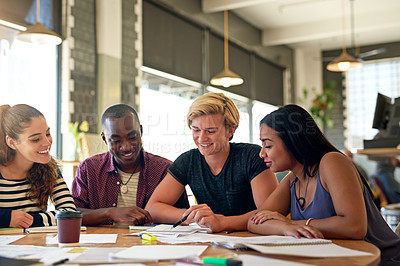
{"x":302,"y":137}
{"x":41,"y":177}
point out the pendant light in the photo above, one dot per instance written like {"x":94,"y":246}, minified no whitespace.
{"x":226,"y":78}
{"x":38,"y":33}
{"x":344,"y":61}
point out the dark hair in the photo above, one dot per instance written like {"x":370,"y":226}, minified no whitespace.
{"x":118,"y":111}
{"x":301,"y":136}
{"x":41,"y":177}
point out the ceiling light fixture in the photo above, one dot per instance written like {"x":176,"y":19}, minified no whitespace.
{"x":38,"y":33}
{"x":226,"y":78}
{"x":344,"y":61}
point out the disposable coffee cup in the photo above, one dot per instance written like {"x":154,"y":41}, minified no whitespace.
{"x":69,"y":228}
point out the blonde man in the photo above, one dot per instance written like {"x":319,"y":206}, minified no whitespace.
{"x":229,"y":180}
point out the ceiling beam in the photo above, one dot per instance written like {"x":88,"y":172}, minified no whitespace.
{"x":211,"y":6}
{"x":300,"y":33}
{"x":329,"y":29}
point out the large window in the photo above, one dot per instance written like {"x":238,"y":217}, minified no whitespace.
{"x":259,"y":110}
{"x":363,"y":85}
{"x":164,"y":102}
{"x":242,"y":133}
{"x":28,"y":75}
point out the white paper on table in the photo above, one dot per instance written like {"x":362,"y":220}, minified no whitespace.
{"x":252,"y":260}
{"x":317,"y":251}
{"x":191,"y":238}
{"x":238,"y":242}
{"x":271,"y":240}
{"x":160,"y":252}
{"x":103,"y":255}
{"x":180,"y":230}
{"x":166,"y":230}
{"x":51,"y":257}
{"x":19,"y":251}
{"x":159,"y":235}
{"x":141,"y":227}
{"x":199,"y":238}
{"x":53,"y":252}
{"x":90,"y":238}
{"x":7,"y":239}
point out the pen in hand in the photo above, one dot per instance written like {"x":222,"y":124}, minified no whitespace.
{"x":180,"y":221}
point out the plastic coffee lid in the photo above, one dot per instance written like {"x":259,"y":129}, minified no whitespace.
{"x":68,"y":214}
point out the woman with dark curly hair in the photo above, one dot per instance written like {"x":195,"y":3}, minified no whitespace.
{"x":29,"y":176}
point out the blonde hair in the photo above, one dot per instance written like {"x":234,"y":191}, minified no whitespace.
{"x":214,"y":103}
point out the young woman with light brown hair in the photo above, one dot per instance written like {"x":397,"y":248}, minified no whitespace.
{"x":29,"y":176}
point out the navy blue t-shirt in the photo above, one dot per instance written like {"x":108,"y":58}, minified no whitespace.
{"x":228,"y":193}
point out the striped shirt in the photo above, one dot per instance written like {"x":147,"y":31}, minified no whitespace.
{"x":129,"y":198}
{"x":13,"y":197}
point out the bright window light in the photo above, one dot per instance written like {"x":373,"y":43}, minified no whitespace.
{"x":28,"y":75}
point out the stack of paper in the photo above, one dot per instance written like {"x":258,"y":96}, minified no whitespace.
{"x":241,"y":242}
{"x":235,"y":242}
{"x":167,"y":231}
{"x":141,"y":227}
{"x":284,"y":245}
{"x":317,"y":251}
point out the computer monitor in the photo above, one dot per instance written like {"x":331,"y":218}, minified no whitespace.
{"x":382,"y":112}
{"x":393,"y":128}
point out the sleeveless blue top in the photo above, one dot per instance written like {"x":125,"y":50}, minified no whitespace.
{"x":321,"y":206}
{"x":378,"y":231}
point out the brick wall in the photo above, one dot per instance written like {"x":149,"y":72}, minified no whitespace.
{"x":129,"y":72}
{"x":83,"y":58}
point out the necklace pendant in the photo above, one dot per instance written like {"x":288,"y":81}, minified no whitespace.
{"x":301,"y":201}
{"x":124,"y":189}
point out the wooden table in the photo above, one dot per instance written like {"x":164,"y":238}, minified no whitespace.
{"x":127,"y":241}
{"x":387,"y":152}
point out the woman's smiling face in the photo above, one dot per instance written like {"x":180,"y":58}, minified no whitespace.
{"x":273,"y":151}
{"x":33,"y":145}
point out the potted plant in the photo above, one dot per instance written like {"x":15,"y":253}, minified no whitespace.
{"x":322,"y":104}
{"x":78,"y":131}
